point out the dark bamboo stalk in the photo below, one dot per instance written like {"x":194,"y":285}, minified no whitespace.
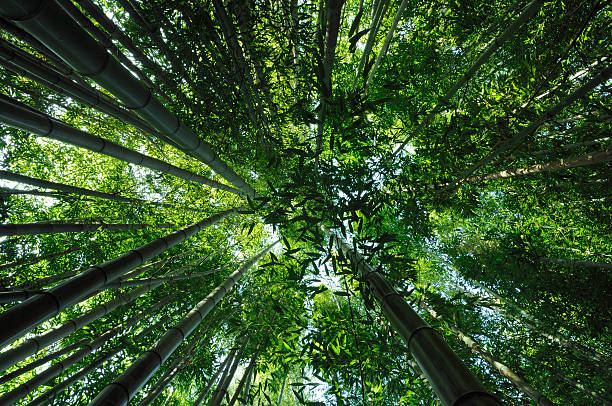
{"x":35,"y":364}
{"x":43,"y":377}
{"x":221,"y":391}
{"x":449,"y":377}
{"x":79,"y":191}
{"x":213,"y":378}
{"x":245,"y":377}
{"x":24,"y":316}
{"x":55,"y":228}
{"x":47,"y":396}
{"x":102,"y":38}
{"x":123,"y":389}
{"x":24,"y":64}
{"x":169,"y":374}
{"x":99,"y":16}
{"x":25,"y":118}
{"x":59,"y":32}
{"x":38,"y":342}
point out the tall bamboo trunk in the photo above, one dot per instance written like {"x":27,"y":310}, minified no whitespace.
{"x":34,"y":344}
{"x":24,"y":316}
{"x":247,"y":389}
{"x":49,"y":280}
{"x":57,"y":63}
{"x":245,"y":377}
{"x":530,"y":10}
{"x":101,"y":18}
{"x":26,"y":65}
{"x":56,"y":228}
{"x":591,"y":158}
{"x":52,"y":393}
{"x":20,"y":295}
{"x":538,"y":397}
{"x":332,"y":25}
{"x":47,"y":358}
{"x":282,"y":390}
{"x":449,"y":377}
{"x":61,"y":34}
{"x":28,"y":119}
{"x":169,"y":375}
{"x":224,"y":367}
{"x":377,"y":18}
{"x":79,"y":191}
{"x":44,"y":376}
{"x":221,"y":391}
{"x":102,"y":38}
{"x":123,"y":389}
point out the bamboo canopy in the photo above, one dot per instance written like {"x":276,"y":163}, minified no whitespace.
{"x":435,"y":178}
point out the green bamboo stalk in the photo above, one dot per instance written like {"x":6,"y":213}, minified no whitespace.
{"x":123,"y":389}
{"x":79,"y":191}
{"x":449,"y":377}
{"x":60,"y":33}
{"x":43,"y":377}
{"x":221,"y":391}
{"x":23,"y":117}
{"x":222,"y":367}
{"x":47,"y":396}
{"x":35,"y":364}
{"x":24,"y":316}
{"x":55,"y":228}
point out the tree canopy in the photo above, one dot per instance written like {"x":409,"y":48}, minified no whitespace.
{"x":226,"y":189}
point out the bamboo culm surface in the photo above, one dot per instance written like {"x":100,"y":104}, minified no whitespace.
{"x":79,"y":191}
{"x":28,"y":119}
{"x":55,"y":369}
{"x":123,"y":389}
{"x":451,"y":380}
{"x":56,"y":228}
{"x":52,"y":26}
{"x":24,"y":316}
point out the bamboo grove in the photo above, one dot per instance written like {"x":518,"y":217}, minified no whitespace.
{"x":296,"y":202}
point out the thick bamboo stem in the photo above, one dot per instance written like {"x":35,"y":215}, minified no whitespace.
{"x":47,"y":396}
{"x":23,"y":117}
{"x":56,"y":228}
{"x":24,"y":316}
{"x":43,"y":377}
{"x":448,"y":376}
{"x":123,"y":389}
{"x":60,"y":33}
{"x":245,"y":377}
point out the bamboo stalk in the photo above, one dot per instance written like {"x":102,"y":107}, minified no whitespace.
{"x":123,"y":389}
{"x":60,"y":33}
{"x":449,"y":377}
{"x":43,"y":377}
{"x":23,"y":117}
{"x":213,"y":378}
{"x":24,"y":316}
{"x":55,"y":228}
